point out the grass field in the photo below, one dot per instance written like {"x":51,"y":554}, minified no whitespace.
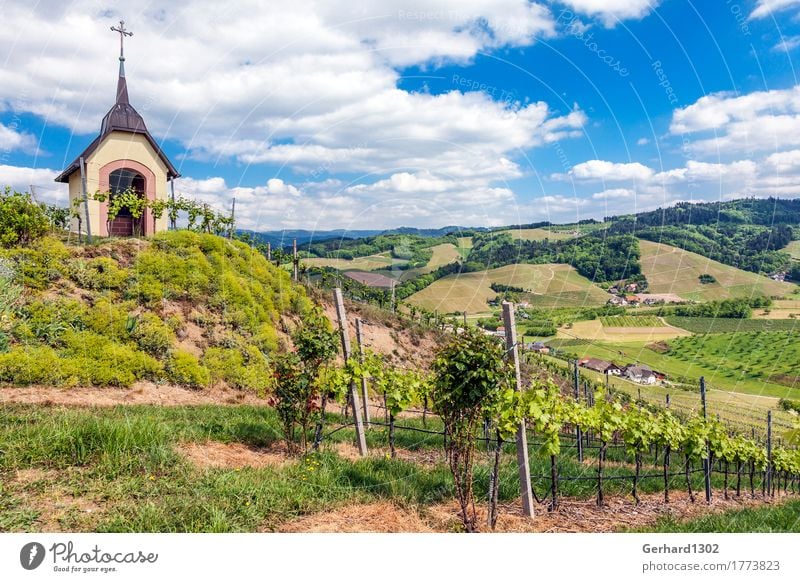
{"x":443,"y":254}
{"x":142,"y":469}
{"x":672,"y":270}
{"x":595,"y":330}
{"x":538,"y":234}
{"x":793,"y":248}
{"x":728,"y":325}
{"x":784,"y":517}
{"x":372,"y":262}
{"x":552,"y":286}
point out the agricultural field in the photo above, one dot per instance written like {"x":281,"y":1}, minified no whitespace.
{"x":780,"y":309}
{"x":369,"y":263}
{"x":443,"y":254}
{"x":672,"y":270}
{"x":766,"y":355}
{"x":551,"y":286}
{"x":742,"y":411}
{"x":537,"y":234}
{"x":632,"y":321}
{"x":596,"y":330}
{"x":701,"y":325}
{"x":676,"y":368}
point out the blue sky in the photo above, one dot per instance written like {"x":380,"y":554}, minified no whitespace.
{"x":327,"y":115}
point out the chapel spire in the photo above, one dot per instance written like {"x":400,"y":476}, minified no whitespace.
{"x":122,"y":84}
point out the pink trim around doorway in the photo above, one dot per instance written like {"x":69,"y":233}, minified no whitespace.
{"x":149,"y":191}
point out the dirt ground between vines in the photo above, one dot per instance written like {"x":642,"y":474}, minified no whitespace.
{"x":139,"y":393}
{"x":213,"y":455}
{"x":572,"y":516}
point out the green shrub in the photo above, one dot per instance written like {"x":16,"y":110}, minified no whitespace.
{"x":246,"y":369}
{"x":185,"y":370}
{"x":145,"y":289}
{"x":48,"y":320}
{"x":98,"y":273}
{"x":39,"y":264}
{"x":789,"y":405}
{"x":111,"y":319}
{"x":37,"y":365}
{"x":174,"y":322}
{"x":152,"y":335}
{"x":103,"y":362}
{"x":21,"y":220}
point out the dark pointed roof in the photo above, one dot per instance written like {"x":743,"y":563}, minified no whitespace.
{"x":121,"y":117}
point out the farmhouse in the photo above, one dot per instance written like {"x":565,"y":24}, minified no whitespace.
{"x":641,"y":374}
{"x":371,"y":279}
{"x":123,"y":157}
{"x":617,"y":300}
{"x":538,"y":347}
{"x":601,"y":366}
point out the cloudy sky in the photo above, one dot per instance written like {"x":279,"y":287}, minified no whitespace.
{"x":427,"y":113}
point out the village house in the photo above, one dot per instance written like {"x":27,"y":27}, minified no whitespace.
{"x":538,"y":347}
{"x":601,"y":366}
{"x":617,"y":300}
{"x":641,"y":374}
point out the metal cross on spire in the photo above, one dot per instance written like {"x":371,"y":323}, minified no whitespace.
{"x":122,"y":34}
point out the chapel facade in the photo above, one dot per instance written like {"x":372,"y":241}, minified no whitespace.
{"x":123,"y":156}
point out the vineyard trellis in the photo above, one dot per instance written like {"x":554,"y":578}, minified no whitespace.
{"x":595,"y":422}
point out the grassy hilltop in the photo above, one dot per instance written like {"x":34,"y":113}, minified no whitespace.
{"x":186,"y":308}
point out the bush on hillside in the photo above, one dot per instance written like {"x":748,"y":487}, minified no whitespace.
{"x":21,"y":220}
{"x":39,"y":264}
{"x":152,"y":335}
{"x":185,"y":370}
{"x":245,"y":369}
{"x":98,"y":273}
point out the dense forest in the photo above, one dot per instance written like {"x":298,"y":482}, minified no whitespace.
{"x":758,"y":211}
{"x":595,"y":256}
{"x":747,"y":234}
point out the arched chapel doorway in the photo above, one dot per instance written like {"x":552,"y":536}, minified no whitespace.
{"x":124,"y":224}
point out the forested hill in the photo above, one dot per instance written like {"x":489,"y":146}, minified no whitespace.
{"x":749,"y":211}
{"x":748,"y":234}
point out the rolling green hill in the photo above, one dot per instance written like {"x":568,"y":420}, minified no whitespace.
{"x":183,"y":308}
{"x":551,"y":285}
{"x":672,"y":270}
{"x":537,"y":234}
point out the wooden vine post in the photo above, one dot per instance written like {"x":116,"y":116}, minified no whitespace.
{"x":522,"y":438}
{"x":294,"y":260}
{"x":577,"y":393}
{"x":85,"y":202}
{"x":707,"y":460}
{"x":341,"y":316}
{"x":364,"y":393}
{"x":769,"y":454}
